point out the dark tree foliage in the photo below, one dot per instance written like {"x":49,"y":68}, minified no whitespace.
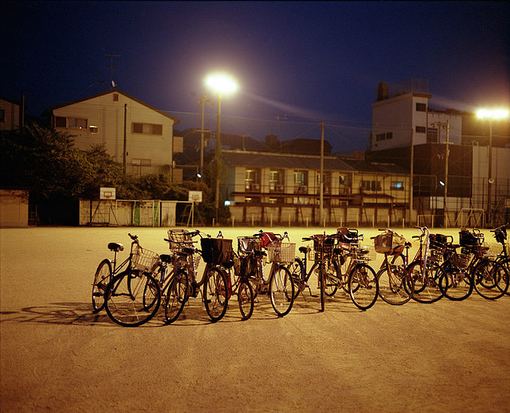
{"x":57,"y":174}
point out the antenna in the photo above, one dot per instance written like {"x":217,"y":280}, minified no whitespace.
{"x":111,"y":67}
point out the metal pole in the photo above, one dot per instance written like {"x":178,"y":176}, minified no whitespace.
{"x":489,"y":185}
{"x":447,"y":154}
{"x":411,"y":179}
{"x":218,"y":161}
{"x":321,"y":180}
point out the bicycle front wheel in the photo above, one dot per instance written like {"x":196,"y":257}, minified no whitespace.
{"x":490,"y":279}
{"x":246,"y":299}
{"x":426,"y":283}
{"x":176,"y":296}
{"x":132,"y":298}
{"x":455,"y":284}
{"x":101,"y":280}
{"x":392,"y":279}
{"x":215,"y":294}
{"x":281,"y":291}
{"x":363,"y":286}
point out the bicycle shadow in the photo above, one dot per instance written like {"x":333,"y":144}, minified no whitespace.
{"x":61,"y":313}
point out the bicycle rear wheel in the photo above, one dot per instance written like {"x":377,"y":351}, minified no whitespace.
{"x":392,"y":280}
{"x":455,"y":284}
{"x":426,"y":285}
{"x":281,"y":290}
{"x":490,"y":279}
{"x":101,"y":279}
{"x":246,"y":299}
{"x":176,"y":296}
{"x":215,"y":294}
{"x":363,"y":286}
{"x":132,"y":298}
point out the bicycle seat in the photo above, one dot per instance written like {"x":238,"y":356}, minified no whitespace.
{"x":259,"y":253}
{"x":166,"y":258}
{"x":304,"y":250}
{"x":115,"y":246}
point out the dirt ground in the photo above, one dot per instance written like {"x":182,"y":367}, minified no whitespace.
{"x":56,"y":355}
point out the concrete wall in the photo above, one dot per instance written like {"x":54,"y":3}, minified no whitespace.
{"x":13,"y":208}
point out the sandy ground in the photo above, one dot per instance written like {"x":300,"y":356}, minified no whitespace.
{"x":56,"y":355}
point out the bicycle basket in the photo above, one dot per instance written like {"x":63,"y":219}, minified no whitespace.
{"x":178,"y":237}
{"x":438,"y":242}
{"x":323,"y":247}
{"x":281,"y":252}
{"x":248,"y":244}
{"x":461,"y":260}
{"x":389,"y":242}
{"x":144,"y":260}
{"x":468,"y":238}
{"x":217,"y":251}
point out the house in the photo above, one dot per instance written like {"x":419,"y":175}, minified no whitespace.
{"x":268,"y":187}
{"x":137,"y":135}
{"x":9,"y":114}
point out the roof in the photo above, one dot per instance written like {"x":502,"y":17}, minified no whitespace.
{"x":291,"y":161}
{"x":114,"y":91}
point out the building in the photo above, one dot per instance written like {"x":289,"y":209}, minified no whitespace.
{"x":278,"y":188}
{"x":137,"y":135}
{"x":446,"y":152}
{"x":9,"y":114}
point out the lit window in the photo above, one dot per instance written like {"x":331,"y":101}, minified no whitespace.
{"x":398,"y":185}
{"x":93,"y":129}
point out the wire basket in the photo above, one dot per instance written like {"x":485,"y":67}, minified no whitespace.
{"x":461,"y":260}
{"x":322,"y":248}
{"x":144,"y":260}
{"x":179,"y":239}
{"x":281,"y":252}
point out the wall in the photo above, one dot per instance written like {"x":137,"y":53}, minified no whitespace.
{"x":13,"y":208}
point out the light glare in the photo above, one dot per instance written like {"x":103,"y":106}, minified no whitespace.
{"x":221,"y":83}
{"x":492,"y":113}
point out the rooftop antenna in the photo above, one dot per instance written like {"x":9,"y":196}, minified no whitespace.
{"x":114,"y":85}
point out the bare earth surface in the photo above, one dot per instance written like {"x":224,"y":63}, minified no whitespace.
{"x":56,"y":355}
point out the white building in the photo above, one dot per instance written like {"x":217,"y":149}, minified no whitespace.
{"x":136,"y":134}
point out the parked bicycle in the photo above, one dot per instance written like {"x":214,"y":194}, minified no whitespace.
{"x":279,"y":285}
{"x":396,"y":286}
{"x":215,"y":253}
{"x":132,"y":296}
{"x":424,"y":270}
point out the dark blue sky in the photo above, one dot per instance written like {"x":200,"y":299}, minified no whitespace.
{"x":311,"y":61}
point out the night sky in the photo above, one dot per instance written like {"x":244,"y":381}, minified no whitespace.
{"x":296,"y":63}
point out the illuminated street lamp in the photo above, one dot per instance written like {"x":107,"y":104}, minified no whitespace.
{"x":491,"y":115}
{"x":222,"y":84}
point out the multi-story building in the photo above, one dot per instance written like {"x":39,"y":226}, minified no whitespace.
{"x":136,"y":134}
{"x":270,"y":188}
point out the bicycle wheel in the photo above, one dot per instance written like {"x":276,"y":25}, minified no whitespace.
{"x":215,"y":294}
{"x":363,"y":286}
{"x":331,"y":275}
{"x":176,"y":296}
{"x":490,"y":279}
{"x":246,"y":299}
{"x":281,"y":291}
{"x":297,"y":272}
{"x":322,"y":286}
{"x":392,"y":280}
{"x":455,"y":284}
{"x":132,"y":298}
{"x":101,"y":279}
{"x":426,"y":285}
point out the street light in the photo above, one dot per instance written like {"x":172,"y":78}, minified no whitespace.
{"x":491,"y":115}
{"x":222,"y":84}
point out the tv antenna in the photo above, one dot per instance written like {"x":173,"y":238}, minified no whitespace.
{"x":111,"y":67}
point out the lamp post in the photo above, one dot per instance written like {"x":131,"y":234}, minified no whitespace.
{"x":222,"y":84}
{"x":491,"y":115}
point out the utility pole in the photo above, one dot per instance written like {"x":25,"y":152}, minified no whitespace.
{"x":203,"y":100}
{"x":111,"y":67}
{"x":447,"y":155}
{"x":411,"y":179}
{"x":321,"y":180}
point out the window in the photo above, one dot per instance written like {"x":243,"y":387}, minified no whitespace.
{"x":300,"y":182}
{"x":115,"y":97}
{"x":71,"y":123}
{"x":93,"y":129}
{"x":2,"y":115}
{"x":148,"y":128}
{"x":383,"y":136}
{"x":421,"y":107}
{"x":432,"y":135}
{"x":252,"y":180}
{"x":421,"y":129}
{"x":276,"y":181}
{"x":371,"y":185}
{"x":397,"y":185}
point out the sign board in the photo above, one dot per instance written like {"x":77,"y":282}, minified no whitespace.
{"x":107,"y":193}
{"x":195,"y":196}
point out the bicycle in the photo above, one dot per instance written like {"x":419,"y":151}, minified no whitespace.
{"x":279,"y":286}
{"x":424,"y":270}
{"x":396,"y":286}
{"x":133,"y":296}
{"x":492,"y":272}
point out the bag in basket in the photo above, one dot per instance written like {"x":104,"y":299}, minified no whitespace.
{"x":217,"y":250}
{"x":389,"y":242}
